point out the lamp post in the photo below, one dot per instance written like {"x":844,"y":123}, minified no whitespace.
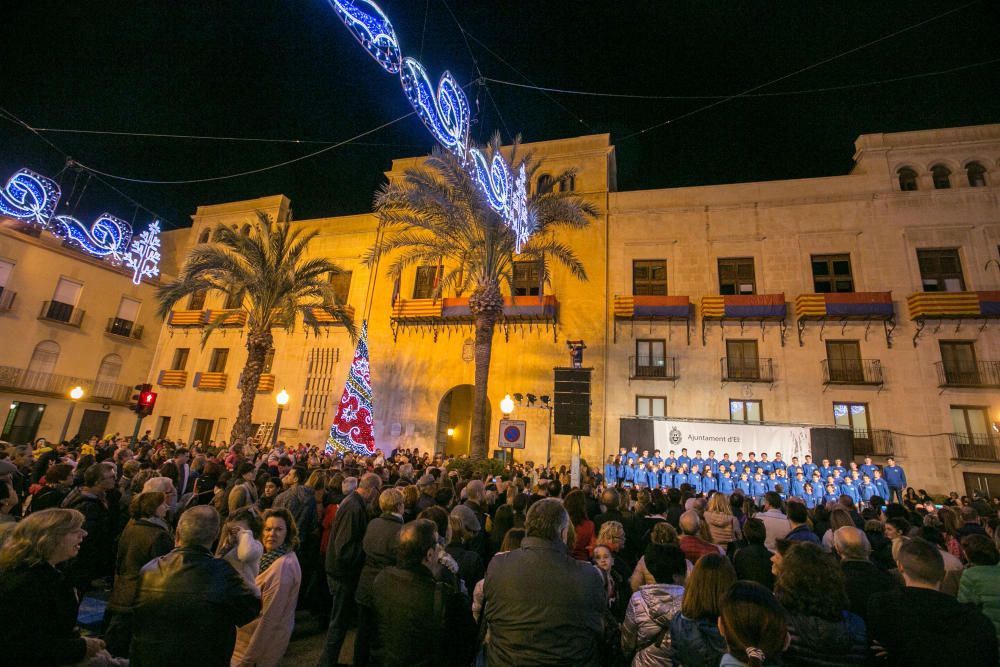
{"x":76,"y":393}
{"x":282,"y":400}
{"x":507,"y":407}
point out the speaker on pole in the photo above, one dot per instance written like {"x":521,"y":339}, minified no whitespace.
{"x":571,"y":413}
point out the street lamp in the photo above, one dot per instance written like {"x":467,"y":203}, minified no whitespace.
{"x":282,"y":400}
{"x":76,"y":393}
{"x":507,"y":407}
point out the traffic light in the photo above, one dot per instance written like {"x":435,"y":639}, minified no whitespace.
{"x":144,"y":400}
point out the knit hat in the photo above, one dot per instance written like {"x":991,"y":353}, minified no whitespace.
{"x":467,"y":517}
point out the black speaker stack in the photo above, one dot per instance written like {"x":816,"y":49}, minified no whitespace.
{"x":571,"y":414}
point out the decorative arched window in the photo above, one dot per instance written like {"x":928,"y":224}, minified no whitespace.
{"x":907,"y":179}
{"x":977,"y":174}
{"x":941,"y":176}
{"x":217,"y":232}
{"x":42,"y":365}
{"x":245,"y":231}
{"x":107,"y":376}
{"x":545,"y":183}
{"x":203,"y":237}
{"x":568,"y":184}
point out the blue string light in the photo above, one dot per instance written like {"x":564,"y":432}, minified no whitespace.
{"x":107,"y":237}
{"x":445,"y":113}
{"x":29,"y":196}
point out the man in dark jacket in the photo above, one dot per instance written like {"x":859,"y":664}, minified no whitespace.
{"x":542,"y":606}
{"x":345,"y":558}
{"x":612,"y":501}
{"x":97,"y":500}
{"x":381,"y":538}
{"x":190,"y":603}
{"x":798,"y":519}
{"x":919,"y":625}
{"x":862,"y":578}
{"x":420,"y":620}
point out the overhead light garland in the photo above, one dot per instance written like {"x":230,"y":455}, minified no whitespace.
{"x":445,"y":113}
{"x":33,"y":198}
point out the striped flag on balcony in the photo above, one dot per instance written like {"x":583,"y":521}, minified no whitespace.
{"x":353,"y":428}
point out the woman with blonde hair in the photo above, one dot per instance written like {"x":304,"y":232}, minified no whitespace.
{"x":612,"y":535}
{"x":38,"y":604}
{"x":723,"y":526}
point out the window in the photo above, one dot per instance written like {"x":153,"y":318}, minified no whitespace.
{"x":426,"y":282}
{"x":201,"y":431}
{"x":545,"y":183}
{"x":568,"y":183}
{"x":907,"y":179}
{"x":341,"y":283}
{"x":844,"y":360}
{"x":124,"y":321}
{"x":649,"y":277}
{"x":5,"y":270}
{"x":958,"y":361}
{"x":746,"y":411}
{"x":742,"y":362}
{"x":218,"y":363}
{"x":204,"y":236}
{"x":268,"y":361}
{"x":197,"y":300}
{"x":941,"y":270}
{"x":527,"y":278}
{"x":44,"y":358}
{"x":736,"y":276}
{"x":180,"y":359}
{"x":650,"y":357}
{"x":234,"y":301}
{"x":650,"y":406}
{"x":161,"y":431}
{"x":107,"y":375}
{"x":832,"y":273}
{"x":64,"y":300}
{"x":245,"y":230}
{"x":970,"y":423}
{"x":941,"y":175}
{"x":854,"y":415}
{"x":977,"y":174}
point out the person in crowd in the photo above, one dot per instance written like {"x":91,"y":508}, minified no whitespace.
{"x":952,"y":566}
{"x":919,"y":625}
{"x":379,"y":545}
{"x":753,"y":562}
{"x":810,"y":586}
{"x":464,"y":526}
{"x":895,"y":480}
{"x":345,"y":558}
{"x":178,"y":469}
{"x":583,"y":528}
{"x":263,"y":641}
{"x":862,"y":578}
{"x":37,"y":602}
{"x":691,"y":543}
{"x":58,"y":479}
{"x":970,"y":523}
{"x":298,"y":499}
{"x":775,"y":522}
{"x":97,"y":501}
{"x":146,"y":536}
{"x":646,"y":630}
{"x":980,"y":583}
{"x":798,"y":519}
{"x":240,"y":544}
{"x":612,"y":535}
{"x":244,"y":491}
{"x":694,"y":633}
{"x":614,"y":586}
{"x":839,"y":518}
{"x":615,"y":509}
{"x":542,"y":605}
{"x":723,"y":526}
{"x":420,"y":620}
{"x":189,"y":588}
{"x":753,"y":625}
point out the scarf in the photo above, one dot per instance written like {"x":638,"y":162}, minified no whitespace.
{"x":268,"y":558}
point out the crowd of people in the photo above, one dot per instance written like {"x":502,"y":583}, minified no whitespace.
{"x":205,"y":554}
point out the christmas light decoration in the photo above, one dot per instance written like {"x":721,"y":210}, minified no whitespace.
{"x":444,"y":112}
{"x":29,"y":196}
{"x":33,"y":198}
{"x":107,"y":237}
{"x":353,"y":428}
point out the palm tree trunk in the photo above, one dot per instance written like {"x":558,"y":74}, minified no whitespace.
{"x":258,"y":343}
{"x":479,"y":437}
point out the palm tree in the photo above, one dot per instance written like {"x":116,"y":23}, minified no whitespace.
{"x":269,"y":269}
{"x":437,"y":215}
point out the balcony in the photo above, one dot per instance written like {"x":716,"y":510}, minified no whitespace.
{"x":644,"y":368}
{"x":747,"y":370}
{"x":63,"y":313}
{"x":319,"y":316}
{"x":186,"y":318}
{"x":58,"y":386}
{"x":873,"y":442}
{"x":644,"y":308}
{"x":120,"y":328}
{"x":519,"y":312}
{"x":176,"y":379}
{"x":853,"y":371}
{"x":924,"y":306}
{"x":265,"y":384}
{"x":843,"y":308}
{"x":232,"y":317}
{"x":975,"y":446}
{"x":7,"y":299}
{"x":969,"y":375}
{"x":743,"y":308}
{"x":210,"y":381}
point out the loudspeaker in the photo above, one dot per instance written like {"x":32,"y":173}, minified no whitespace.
{"x":571,"y":413}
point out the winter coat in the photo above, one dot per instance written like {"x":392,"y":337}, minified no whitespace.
{"x":191,"y":590}
{"x":242,"y":495}
{"x":724,"y":528}
{"x":753,"y":562}
{"x":862,"y":579}
{"x":301,"y":502}
{"x":263,"y":641}
{"x":819,"y":642}
{"x":980,"y":586}
{"x":646,"y":630}
{"x":345,"y":555}
{"x":39,"y":607}
{"x":696,"y":642}
{"x":140,"y":542}
{"x":379,"y":545}
{"x":96,"y":558}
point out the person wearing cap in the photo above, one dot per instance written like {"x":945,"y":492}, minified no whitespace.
{"x":426,"y":484}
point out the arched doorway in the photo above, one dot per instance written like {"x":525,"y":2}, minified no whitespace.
{"x":455,"y":413}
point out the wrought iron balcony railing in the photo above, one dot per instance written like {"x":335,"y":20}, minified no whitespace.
{"x":52,"y":384}
{"x":975,"y":446}
{"x":64,"y":313}
{"x":747,"y":370}
{"x":969,"y":374}
{"x":852,"y":371}
{"x":124,"y":328}
{"x":873,"y":442}
{"x":652,"y":368}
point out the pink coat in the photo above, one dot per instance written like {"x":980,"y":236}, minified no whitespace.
{"x":263,"y":641}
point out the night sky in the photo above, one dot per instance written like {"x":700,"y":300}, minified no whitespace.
{"x":291,"y":70}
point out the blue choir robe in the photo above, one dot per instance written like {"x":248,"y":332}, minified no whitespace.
{"x":767,"y":466}
{"x":869,"y":470}
{"x":698,"y":461}
{"x":709,"y":484}
{"x":680,"y":478}
{"x":727,"y":485}
{"x":744,"y":486}
{"x":779,"y":465}
{"x":684,"y":461}
{"x":610,"y":474}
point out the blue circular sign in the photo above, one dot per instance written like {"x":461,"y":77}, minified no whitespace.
{"x":512,"y":434}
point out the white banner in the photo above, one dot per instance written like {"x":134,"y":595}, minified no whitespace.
{"x":730,"y":438}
